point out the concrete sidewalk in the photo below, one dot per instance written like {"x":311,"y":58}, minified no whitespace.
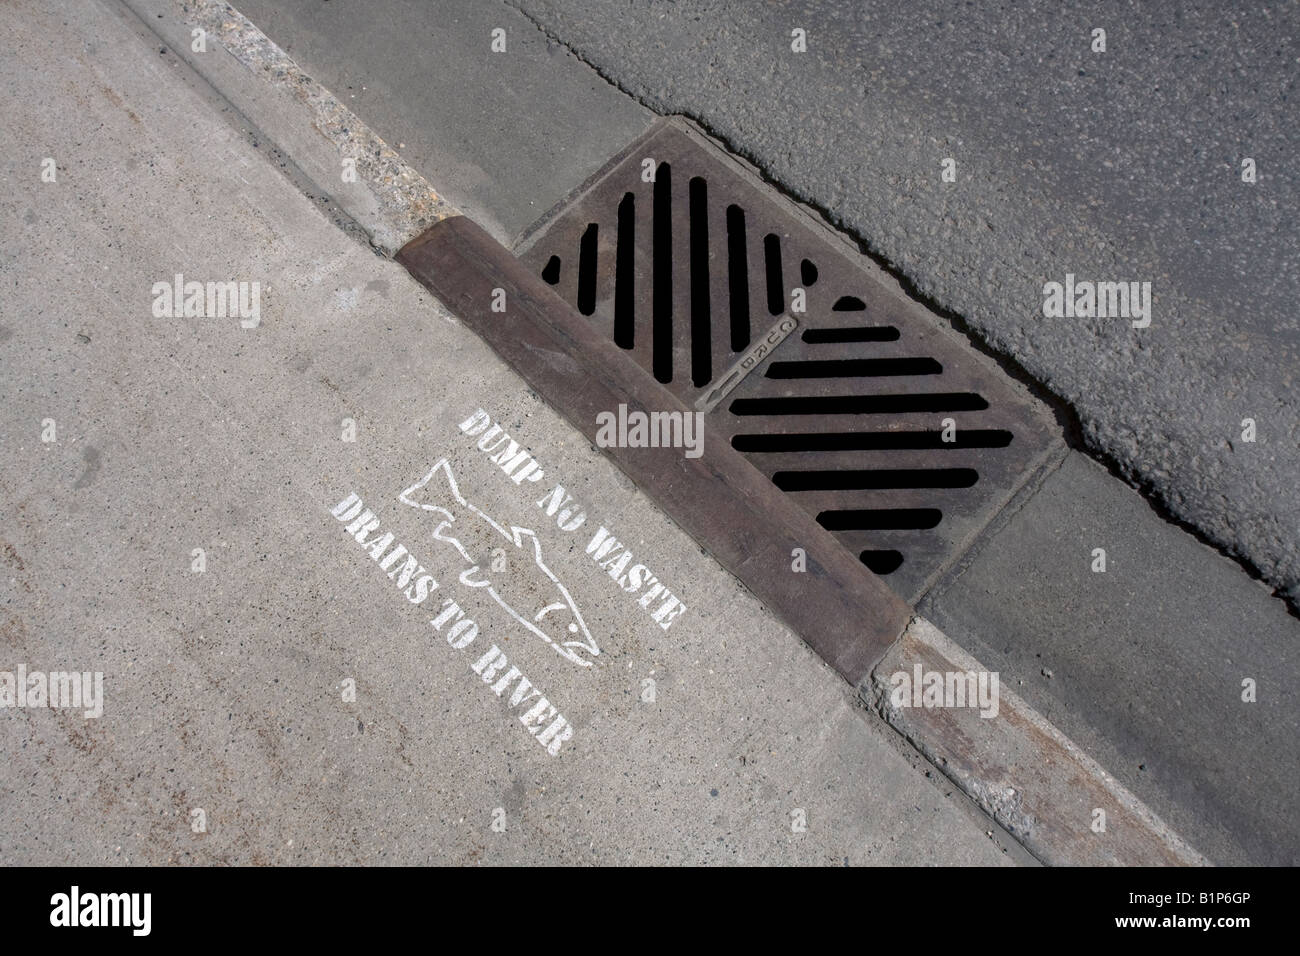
{"x":270,"y":695}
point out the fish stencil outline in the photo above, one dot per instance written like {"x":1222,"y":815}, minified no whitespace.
{"x":518,"y":537}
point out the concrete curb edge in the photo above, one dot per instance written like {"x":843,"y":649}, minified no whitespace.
{"x":1056,"y":800}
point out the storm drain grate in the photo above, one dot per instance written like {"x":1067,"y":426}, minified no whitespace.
{"x":883,"y":425}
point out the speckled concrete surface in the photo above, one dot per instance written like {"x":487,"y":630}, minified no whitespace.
{"x":224,"y":689}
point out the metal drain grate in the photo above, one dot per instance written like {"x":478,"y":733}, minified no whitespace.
{"x":696,"y":276}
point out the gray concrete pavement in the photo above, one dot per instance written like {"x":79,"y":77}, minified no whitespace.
{"x":226,"y":685}
{"x":1122,"y":165}
{"x":1143,"y":664}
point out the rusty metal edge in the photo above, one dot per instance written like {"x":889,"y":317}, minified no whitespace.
{"x":850,"y":617}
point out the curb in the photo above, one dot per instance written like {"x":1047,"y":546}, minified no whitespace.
{"x":385,"y":197}
{"x":1057,"y":801}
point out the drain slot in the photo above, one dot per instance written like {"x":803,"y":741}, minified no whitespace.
{"x":587,"y":271}
{"x":861,"y":333}
{"x":880,"y":519}
{"x":737,"y":278}
{"x":855,"y":368}
{"x":876,"y":480}
{"x":808,"y":272}
{"x":662,"y":330}
{"x":625,"y":275}
{"x":860,"y":404}
{"x":871,"y":441}
{"x":775,"y":282}
{"x":882,"y":562}
{"x":701,"y":326}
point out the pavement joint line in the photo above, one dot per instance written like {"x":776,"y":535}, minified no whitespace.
{"x":400,"y":204}
{"x":1048,"y":464}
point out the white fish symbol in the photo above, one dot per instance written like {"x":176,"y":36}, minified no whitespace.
{"x":560,"y":615}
